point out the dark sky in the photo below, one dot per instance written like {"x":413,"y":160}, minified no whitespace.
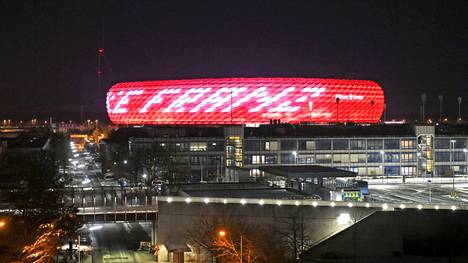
{"x":48,"y":48}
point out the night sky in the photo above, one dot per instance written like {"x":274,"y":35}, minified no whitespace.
{"x":48,"y":49}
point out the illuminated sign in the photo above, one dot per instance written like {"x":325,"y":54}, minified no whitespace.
{"x":245,"y":101}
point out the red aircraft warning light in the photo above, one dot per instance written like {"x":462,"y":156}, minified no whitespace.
{"x":245,"y":101}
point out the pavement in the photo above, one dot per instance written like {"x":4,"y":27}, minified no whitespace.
{"x":119,"y":242}
{"x":441,"y":192}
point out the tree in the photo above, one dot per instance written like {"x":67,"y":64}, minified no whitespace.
{"x":41,"y":215}
{"x":159,"y":163}
{"x":260,"y":243}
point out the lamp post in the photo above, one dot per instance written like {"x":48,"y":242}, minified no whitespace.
{"x":430,"y":190}
{"x":452,"y":146}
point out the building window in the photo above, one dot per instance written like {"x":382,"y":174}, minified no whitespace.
{"x":196,"y":160}
{"x":442,"y":156}
{"x":323,"y":144}
{"x":392,"y":170}
{"x":374,"y":157}
{"x":310,"y":145}
{"x":357,"y":157}
{"x":408,"y":170}
{"x":440,"y":143}
{"x":340,"y":144}
{"x":357,"y":144}
{"x":341,"y":158}
{"x":392,"y":157}
{"x":198,"y":146}
{"x":460,"y":143}
{"x":408,"y":144}
{"x":216,"y":146}
{"x":305,"y":158}
{"x":374,"y":144}
{"x":258,"y":159}
{"x":271,"y":159}
{"x":459,"y":156}
{"x":288,"y":158}
{"x":271,"y":146}
{"x":408,"y":157}
{"x":323,"y":158}
{"x":374,"y":170}
{"x":392,"y":144}
{"x":288,"y":145}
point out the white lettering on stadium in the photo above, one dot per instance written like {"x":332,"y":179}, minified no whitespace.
{"x":158,"y":98}
{"x":349,"y":97}
{"x":124,"y":100}
{"x":179,"y":103}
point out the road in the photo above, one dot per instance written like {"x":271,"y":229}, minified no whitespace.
{"x":119,"y":242}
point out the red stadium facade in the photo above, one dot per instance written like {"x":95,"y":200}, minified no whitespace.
{"x":245,"y":101}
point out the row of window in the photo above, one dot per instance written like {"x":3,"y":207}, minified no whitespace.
{"x":329,"y":144}
{"x":382,"y":170}
{"x":289,"y":158}
{"x":456,"y":156}
{"x":183,"y":146}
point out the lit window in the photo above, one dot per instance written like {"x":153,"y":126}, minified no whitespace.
{"x":197,"y":146}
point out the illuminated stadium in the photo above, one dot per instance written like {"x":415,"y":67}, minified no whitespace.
{"x":245,"y":101}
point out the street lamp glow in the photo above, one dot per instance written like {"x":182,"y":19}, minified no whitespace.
{"x":419,"y":207}
{"x":332,"y":204}
{"x":206,"y":200}
{"x":314,"y":203}
{"x":350,"y":205}
{"x":169,"y":199}
{"x":367,"y":205}
{"x":294,"y":153}
{"x":384,"y":206}
{"x":222,"y":233}
{"x":144,"y":175}
{"x":2,"y":223}
{"x":343,"y":219}
{"x":224,"y":201}
{"x":243,"y":201}
{"x":188,"y":200}
{"x":402,"y":206}
{"x":453,"y":208}
{"x":125,"y":161}
{"x":296,"y":203}
{"x":278,"y":203}
{"x":261,"y":202}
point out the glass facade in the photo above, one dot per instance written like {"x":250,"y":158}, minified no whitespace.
{"x":372,"y":156}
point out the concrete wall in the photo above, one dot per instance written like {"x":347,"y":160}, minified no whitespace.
{"x":320,"y":222}
{"x":405,"y":235}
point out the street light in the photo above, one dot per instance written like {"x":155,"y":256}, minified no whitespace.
{"x":223,"y":233}
{"x":452,"y":146}
{"x":2,"y":224}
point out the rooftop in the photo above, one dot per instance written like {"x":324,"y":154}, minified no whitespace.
{"x":305,"y":171}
